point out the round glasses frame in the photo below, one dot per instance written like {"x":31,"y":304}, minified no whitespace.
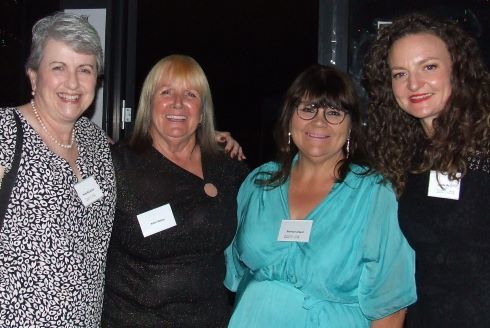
{"x":331,"y":114}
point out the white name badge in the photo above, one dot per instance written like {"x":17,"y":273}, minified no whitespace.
{"x":156,"y":220}
{"x":441,"y":187}
{"x":295,"y":230}
{"x":88,"y":191}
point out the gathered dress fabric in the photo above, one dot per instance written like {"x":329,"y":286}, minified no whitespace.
{"x":451,"y":239}
{"x":172,"y":278}
{"x":52,"y":247}
{"x":355,"y":268}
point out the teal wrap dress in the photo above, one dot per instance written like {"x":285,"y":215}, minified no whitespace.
{"x":356,"y":267}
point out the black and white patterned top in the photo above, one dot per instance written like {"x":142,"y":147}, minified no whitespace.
{"x":52,"y":247}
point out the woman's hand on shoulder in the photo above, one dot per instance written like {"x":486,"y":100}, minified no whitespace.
{"x":110,"y":140}
{"x":232,"y":147}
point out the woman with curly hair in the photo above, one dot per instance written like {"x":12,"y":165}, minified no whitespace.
{"x":428,"y":129}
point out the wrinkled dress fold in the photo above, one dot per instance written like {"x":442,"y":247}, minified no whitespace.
{"x":356,"y":267}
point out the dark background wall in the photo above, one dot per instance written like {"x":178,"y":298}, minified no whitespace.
{"x":16,"y":20}
{"x":250,"y":50}
{"x":472,"y":15}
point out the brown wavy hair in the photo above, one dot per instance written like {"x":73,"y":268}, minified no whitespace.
{"x":460,"y":131}
{"x":329,"y":86}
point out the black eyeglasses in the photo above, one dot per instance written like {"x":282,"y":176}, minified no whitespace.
{"x":332,"y":115}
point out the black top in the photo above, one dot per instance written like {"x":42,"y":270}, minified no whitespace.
{"x":173,"y":278}
{"x":451,"y":239}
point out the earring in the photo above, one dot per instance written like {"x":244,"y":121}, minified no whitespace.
{"x":347,"y":146}
{"x":288,"y":148}
{"x":33,"y":93}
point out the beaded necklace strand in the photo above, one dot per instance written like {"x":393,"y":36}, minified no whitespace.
{"x":69,"y":146}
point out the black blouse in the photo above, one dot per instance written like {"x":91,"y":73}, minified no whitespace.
{"x":451,"y":239}
{"x":173,"y":278}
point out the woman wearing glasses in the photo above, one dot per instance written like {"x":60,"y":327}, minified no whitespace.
{"x":318,"y":242}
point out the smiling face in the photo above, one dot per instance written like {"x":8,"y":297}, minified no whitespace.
{"x":319,"y":140}
{"x":421,"y":76}
{"x":176,"y":111}
{"x":65,"y":82}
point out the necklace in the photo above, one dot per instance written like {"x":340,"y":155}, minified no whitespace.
{"x":34,"y":109}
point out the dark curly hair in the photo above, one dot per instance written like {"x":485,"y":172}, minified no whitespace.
{"x":460,"y":131}
{"x":328,"y":86}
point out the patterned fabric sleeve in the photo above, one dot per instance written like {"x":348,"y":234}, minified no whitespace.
{"x":7,"y":136}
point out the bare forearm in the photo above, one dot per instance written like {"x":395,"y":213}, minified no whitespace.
{"x":394,"y":320}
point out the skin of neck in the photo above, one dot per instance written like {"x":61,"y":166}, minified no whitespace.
{"x":59,"y":130}
{"x":176,"y":149}
{"x":317,"y":170}
{"x":428,"y":128}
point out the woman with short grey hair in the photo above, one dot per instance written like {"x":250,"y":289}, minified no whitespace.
{"x":60,"y":207}
{"x":73,"y":30}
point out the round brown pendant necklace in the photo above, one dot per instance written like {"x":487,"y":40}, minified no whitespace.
{"x":210,"y":189}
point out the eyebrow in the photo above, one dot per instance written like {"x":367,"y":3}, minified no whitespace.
{"x":422,"y":61}
{"x":54,"y":62}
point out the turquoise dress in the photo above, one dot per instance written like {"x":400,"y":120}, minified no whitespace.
{"x":356,"y":267}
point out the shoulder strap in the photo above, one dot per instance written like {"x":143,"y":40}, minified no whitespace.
{"x":11,"y":176}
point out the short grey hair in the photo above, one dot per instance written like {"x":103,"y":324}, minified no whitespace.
{"x":71,"y":29}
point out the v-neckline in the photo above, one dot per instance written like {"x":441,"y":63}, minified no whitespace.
{"x":284,"y":191}
{"x":180,"y":168}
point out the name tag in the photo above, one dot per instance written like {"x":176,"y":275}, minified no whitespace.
{"x":295,"y":230}
{"x":156,"y":220}
{"x":441,"y":187}
{"x":88,"y":191}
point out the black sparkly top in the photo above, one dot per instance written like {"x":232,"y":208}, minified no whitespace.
{"x":173,"y":278}
{"x":451,"y":239}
